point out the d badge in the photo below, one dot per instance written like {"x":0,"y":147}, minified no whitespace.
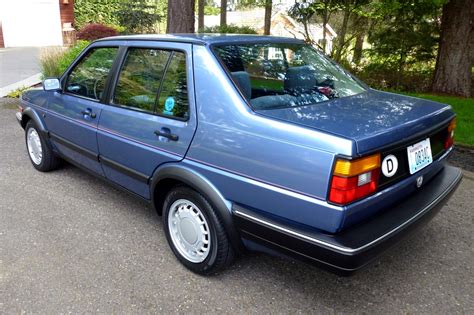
{"x":389,"y":165}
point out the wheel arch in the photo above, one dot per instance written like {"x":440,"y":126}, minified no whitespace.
{"x":30,"y":114}
{"x":169,"y":175}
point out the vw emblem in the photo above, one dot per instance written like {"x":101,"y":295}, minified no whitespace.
{"x":419,"y":181}
{"x":389,"y":165}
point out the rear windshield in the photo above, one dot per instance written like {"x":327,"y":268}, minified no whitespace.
{"x":285,"y":75}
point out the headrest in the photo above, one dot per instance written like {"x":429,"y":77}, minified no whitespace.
{"x":243,"y":80}
{"x":301,"y":78}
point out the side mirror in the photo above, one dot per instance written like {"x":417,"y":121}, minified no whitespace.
{"x":51,"y":85}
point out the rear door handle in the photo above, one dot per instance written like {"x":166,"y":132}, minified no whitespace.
{"x":88,"y":112}
{"x":167,"y":134}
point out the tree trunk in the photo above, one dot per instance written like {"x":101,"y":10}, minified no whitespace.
{"x":180,"y":16}
{"x":201,"y":5}
{"x":268,"y":17}
{"x":357,"y":56}
{"x":342,"y":35}
{"x":454,"y":61}
{"x":223,"y":12}
{"x":325,"y":23}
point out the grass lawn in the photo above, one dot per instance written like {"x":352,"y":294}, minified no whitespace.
{"x":464,"y":108}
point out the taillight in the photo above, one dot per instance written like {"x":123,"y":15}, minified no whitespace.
{"x":354,"y":179}
{"x":450,"y":136}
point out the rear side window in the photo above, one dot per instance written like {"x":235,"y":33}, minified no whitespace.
{"x":88,"y":77}
{"x":173,"y":100}
{"x":155,"y":81}
{"x":140,"y":78}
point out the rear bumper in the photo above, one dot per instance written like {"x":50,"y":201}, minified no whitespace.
{"x":351,"y":249}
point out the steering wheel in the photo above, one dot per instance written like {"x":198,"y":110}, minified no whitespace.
{"x":96,"y":85}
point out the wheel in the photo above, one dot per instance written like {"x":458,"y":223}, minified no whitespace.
{"x":194,"y":232}
{"x":41,"y":155}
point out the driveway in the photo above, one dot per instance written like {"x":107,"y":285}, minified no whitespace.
{"x":17,"y":64}
{"x":70,"y":243}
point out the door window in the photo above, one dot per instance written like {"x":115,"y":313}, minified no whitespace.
{"x":173,"y":100}
{"x":88,"y":77}
{"x":140,"y":78}
{"x":155,"y":81}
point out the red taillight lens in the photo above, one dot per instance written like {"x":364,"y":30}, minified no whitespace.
{"x":354,"y":181}
{"x":450,"y":136}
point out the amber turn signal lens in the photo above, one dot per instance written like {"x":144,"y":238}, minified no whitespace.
{"x":349,"y":168}
{"x":452,"y":125}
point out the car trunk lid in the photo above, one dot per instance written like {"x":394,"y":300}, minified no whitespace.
{"x":372,"y":119}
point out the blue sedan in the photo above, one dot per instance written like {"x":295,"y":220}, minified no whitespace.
{"x":247,"y":143}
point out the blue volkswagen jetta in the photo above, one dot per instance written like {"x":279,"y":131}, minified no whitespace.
{"x":247,"y":142}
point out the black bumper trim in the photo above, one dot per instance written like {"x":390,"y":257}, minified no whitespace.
{"x":355,"y":247}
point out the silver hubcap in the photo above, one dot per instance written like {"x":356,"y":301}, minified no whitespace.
{"x":189,"y":230}
{"x":34,"y":146}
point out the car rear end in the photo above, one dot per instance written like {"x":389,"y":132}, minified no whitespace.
{"x":395,"y":180}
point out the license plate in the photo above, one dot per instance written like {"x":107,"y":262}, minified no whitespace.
{"x":419,"y":155}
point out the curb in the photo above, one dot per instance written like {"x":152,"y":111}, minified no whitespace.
{"x":28,"y":82}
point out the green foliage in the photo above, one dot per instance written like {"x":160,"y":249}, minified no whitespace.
{"x":54,"y":61}
{"x":95,"y":11}
{"x":16,"y":93}
{"x":211,"y":10}
{"x":138,"y":16}
{"x":230,"y":29}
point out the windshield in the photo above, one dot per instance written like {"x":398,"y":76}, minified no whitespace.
{"x":285,"y":75}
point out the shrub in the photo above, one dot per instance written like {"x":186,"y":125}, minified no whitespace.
{"x":54,"y":61}
{"x":95,"y":31}
{"x":16,"y":93}
{"x":230,"y":29}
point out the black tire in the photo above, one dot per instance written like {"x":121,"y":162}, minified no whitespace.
{"x":221,"y":254}
{"x":49,"y":161}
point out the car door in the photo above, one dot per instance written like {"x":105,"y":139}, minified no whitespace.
{"x":74,"y":112}
{"x":150,"y":116}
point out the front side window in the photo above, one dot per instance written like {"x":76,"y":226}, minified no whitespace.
{"x":285,"y":75}
{"x":88,"y":77}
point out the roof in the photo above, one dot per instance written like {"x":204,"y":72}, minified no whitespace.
{"x":205,"y":39}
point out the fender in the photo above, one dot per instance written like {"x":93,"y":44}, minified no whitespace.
{"x":201,"y":184}
{"x":32,"y":114}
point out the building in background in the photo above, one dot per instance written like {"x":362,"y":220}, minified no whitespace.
{"x":36,"y":23}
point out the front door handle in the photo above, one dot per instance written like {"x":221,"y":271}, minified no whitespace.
{"x":88,"y":112}
{"x":165,"y":132}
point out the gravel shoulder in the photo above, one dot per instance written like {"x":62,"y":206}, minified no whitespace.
{"x":70,"y":243}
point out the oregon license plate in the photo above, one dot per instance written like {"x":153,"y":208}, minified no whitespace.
{"x":419,"y":155}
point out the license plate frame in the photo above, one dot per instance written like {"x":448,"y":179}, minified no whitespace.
{"x":419,"y":155}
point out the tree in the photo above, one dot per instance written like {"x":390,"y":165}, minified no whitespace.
{"x":352,"y":11}
{"x":180,"y":17}
{"x":201,"y":5}
{"x":267,"y":4}
{"x":268,"y":17}
{"x":138,"y":16}
{"x":405,"y":34}
{"x":223,"y":12}
{"x":453,"y":74}
{"x":302,"y":12}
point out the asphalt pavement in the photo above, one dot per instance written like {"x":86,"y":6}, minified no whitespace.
{"x":18,"y":63}
{"x":70,"y":243}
